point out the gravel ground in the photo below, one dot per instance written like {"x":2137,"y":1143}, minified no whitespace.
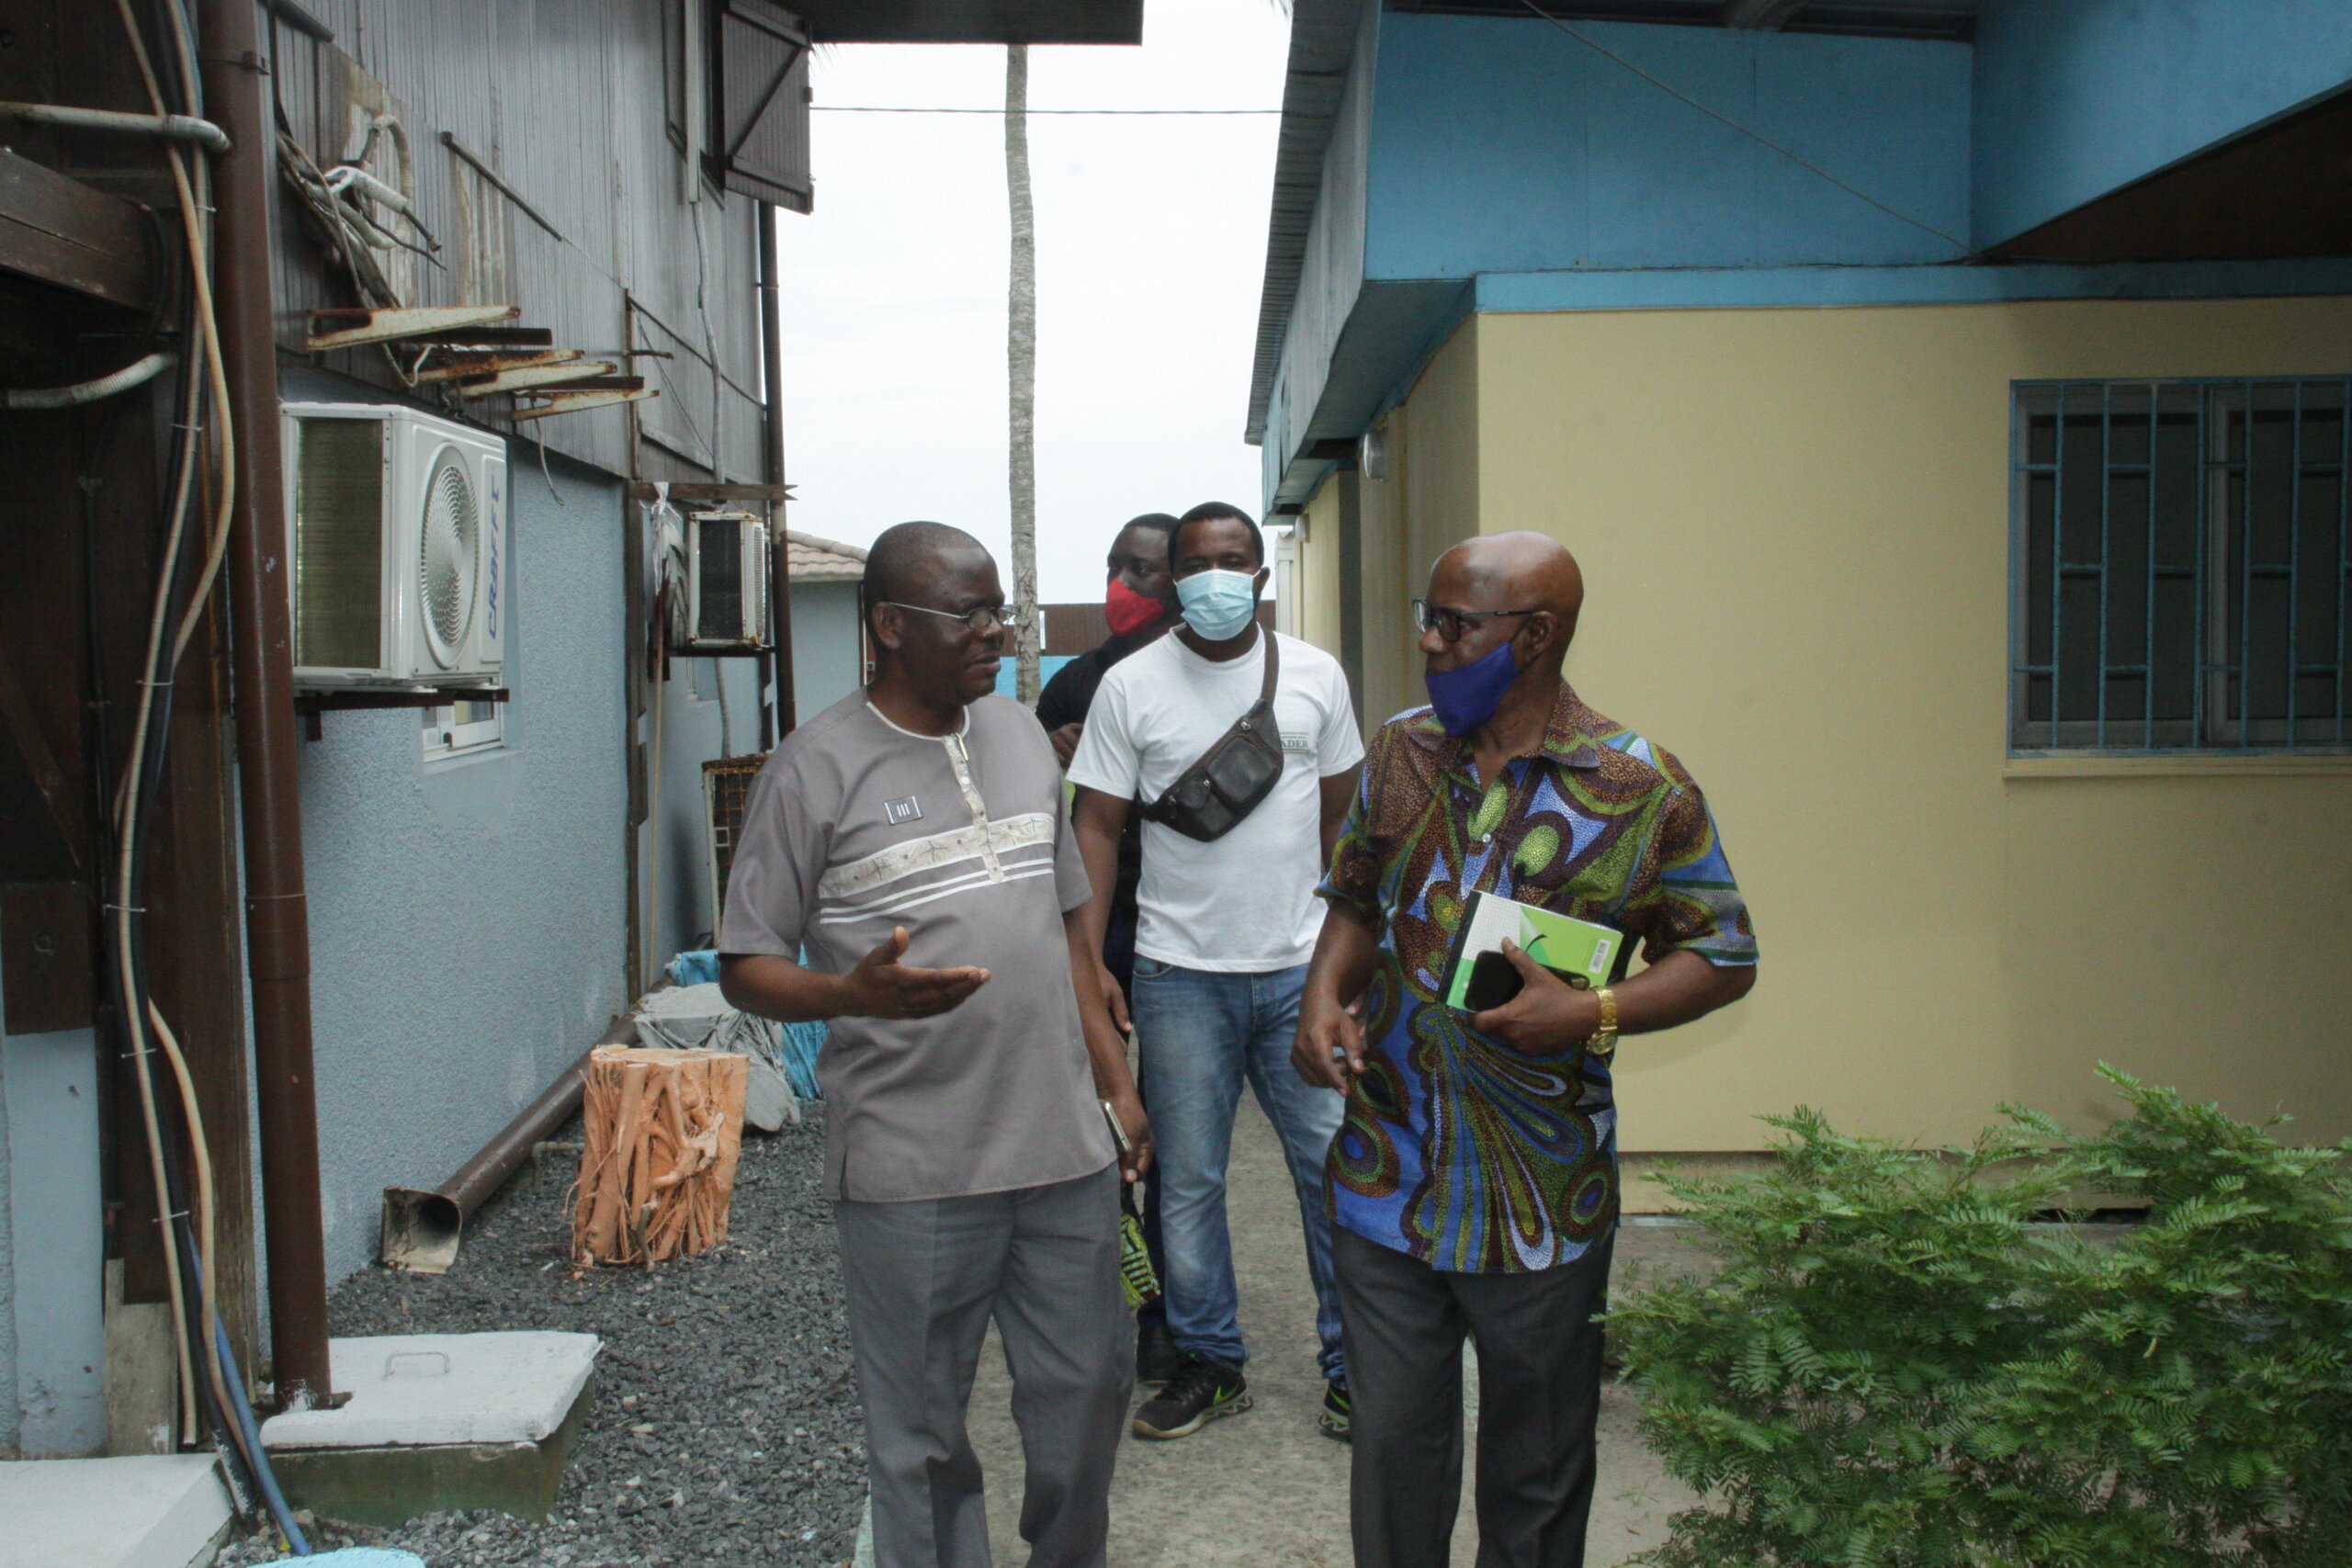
{"x":725,"y":1428}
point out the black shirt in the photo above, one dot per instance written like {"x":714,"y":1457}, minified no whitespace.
{"x":1065,"y":699}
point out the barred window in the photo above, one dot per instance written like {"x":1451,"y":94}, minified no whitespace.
{"x":2180,"y":565}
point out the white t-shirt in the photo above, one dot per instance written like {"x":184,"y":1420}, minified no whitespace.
{"x":1244,"y":903}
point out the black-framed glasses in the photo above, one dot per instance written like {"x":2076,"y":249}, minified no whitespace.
{"x":981,"y":620}
{"x":1450,"y":623}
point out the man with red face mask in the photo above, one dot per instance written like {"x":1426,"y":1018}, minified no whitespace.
{"x":1140,"y":605}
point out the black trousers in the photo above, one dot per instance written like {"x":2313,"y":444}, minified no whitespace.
{"x":1539,"y":1397}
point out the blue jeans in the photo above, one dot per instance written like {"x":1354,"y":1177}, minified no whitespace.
{"x":1201,"y":1034}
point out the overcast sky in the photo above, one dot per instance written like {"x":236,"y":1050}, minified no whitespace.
{"x":1151,"y":234}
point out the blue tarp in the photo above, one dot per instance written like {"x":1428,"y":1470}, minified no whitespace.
{"x":800,"y":1041}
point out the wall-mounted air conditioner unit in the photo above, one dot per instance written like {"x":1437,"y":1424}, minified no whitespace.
{"x":396,"y":526}
{"x":726,"y":583}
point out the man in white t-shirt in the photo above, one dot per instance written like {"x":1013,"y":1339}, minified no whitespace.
{"x":1225,"y":929}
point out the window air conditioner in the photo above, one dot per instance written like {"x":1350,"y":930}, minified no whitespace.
{"x":727,"y":582}
{"x":396,"y":526}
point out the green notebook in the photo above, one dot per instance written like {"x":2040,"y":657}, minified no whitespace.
{"x":1477,"y":975}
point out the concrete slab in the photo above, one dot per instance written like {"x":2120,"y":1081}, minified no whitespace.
{"x":143,"y":1511}
{"x":390,"y":1485}
{"x":438,"y":1422}
{"x":420,"y":1390}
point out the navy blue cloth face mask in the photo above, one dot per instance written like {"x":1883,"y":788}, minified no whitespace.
{"x":1468,"y":698}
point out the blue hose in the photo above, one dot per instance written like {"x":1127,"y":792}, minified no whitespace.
{"x":264,"y":1477}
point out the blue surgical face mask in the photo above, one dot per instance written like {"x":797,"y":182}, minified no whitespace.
{"x":1219,"y":604}
{"x":1466,"y":698}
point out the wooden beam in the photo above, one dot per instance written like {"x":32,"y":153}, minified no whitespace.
{"x":537,"y":375}
{"x":462,"y":365}
{"x":63,"y":232}
{"x":776,"y":494}
{"x":352,"y":327}
{"x":573,"y":402}
{"x":1765,"y":14}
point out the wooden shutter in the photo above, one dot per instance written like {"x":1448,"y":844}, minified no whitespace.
{"x":760,"y":103}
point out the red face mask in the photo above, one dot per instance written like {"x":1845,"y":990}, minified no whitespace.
{"x":1128,"y":611}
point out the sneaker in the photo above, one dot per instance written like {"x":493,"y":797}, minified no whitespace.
{"x":1155,"y":1352}
{"x":1198,"y":1392}
{"x":1337,"y":1410}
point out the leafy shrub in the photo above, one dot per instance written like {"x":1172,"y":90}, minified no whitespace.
{"x":1896,"y":1368}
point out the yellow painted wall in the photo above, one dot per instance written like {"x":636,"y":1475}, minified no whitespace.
{"x":1318,"y":570}
{"x":1795,"y":527}
{"x":1427,"y":502}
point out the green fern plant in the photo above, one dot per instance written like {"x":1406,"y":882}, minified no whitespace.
{"x":1896,"y":1367}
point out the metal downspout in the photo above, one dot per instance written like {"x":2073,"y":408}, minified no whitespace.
{"x":779,"y":567}
{"x":780,"y":550}
{"x":278,"y":934}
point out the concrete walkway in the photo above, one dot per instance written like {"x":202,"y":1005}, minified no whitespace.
{"x":1265,"y":1489}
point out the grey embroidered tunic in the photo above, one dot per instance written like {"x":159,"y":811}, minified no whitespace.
{"x":855,"y":826}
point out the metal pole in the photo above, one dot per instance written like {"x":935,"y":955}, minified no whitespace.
{"x":277,"y":932}
{"x":787,"y":713}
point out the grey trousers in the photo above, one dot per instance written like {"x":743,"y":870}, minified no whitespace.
{"x":1539,"y":1397}
{"x":923,"y":1279}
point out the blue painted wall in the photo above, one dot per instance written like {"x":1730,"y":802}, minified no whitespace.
{"x":695,"y":725}
{"x":1504,"y":145}
{"x":56,"y":1233}
{"x":468,"y":917}
{"x":2075,"y":98}
{"x":827,"y":658}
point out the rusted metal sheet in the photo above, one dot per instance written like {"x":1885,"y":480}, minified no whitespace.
{"x":352,"y":326}
{"x":62,"y":232}
{"x":464,"y":365}
{"x":575,"y":104}
{"x":576,"y":403}
{"x":539,"y":376}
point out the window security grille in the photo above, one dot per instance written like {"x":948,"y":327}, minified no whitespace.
{"x":2181,"y":561}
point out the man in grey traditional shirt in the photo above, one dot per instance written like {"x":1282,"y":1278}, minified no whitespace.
{"x":907,"y":871}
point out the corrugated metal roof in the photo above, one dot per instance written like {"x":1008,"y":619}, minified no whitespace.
{"x":1322,"y":38}
{"x":822,"y":560}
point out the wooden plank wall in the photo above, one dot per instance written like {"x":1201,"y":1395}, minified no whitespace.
{"x":568,"y":101}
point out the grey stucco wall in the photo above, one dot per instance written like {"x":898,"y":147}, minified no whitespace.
{"x":469,"y":917}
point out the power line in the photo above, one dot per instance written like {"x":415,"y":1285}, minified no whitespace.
{"x":870,"y":109}
{"x":1672,"y":91}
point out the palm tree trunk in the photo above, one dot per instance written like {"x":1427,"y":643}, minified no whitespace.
{"x":1021,"y":367}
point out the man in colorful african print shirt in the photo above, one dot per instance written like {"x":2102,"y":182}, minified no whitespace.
{"x":1473,"y":1180}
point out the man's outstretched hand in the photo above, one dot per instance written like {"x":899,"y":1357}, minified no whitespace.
{"x":1547,"y":1017}
{"x":881,"y":986}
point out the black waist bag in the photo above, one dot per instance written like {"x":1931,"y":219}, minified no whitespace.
{"x":1214,"y":794}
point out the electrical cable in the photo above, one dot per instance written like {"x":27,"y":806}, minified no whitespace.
{"x":271,"y":1495}
{"x":1670,"y":90}
{"x":190,"y":1238}
{"x":137,"y":373}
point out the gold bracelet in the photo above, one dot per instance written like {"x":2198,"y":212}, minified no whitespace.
{"x":1603,"y":1043}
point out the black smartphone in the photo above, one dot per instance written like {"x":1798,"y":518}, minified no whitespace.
{"x":1494,"y":980}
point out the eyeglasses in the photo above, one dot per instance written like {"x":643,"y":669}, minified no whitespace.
{"x":1450,"y":623}
{"x":981,"y":620}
